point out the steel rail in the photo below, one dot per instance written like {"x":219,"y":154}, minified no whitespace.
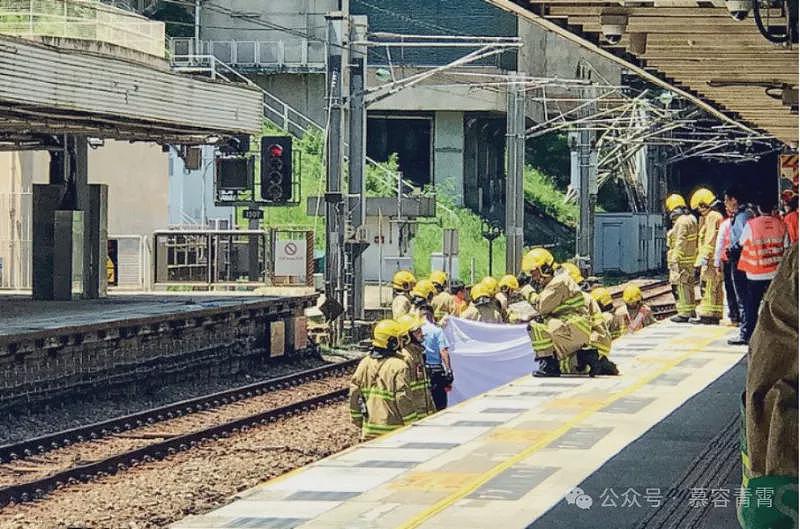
{"x":31,"y":490}
{"x":46,"y":443}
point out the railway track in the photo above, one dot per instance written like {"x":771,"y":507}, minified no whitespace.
{"x":33,"y":468}
{"x":658,"y":296}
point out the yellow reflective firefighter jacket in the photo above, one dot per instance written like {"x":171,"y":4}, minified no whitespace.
{"x":684,"y":251}
{"x":381,"y":396}
{"x":401,"y":304}
{"x":601,"y":337}
{"x":485,"y":312}
{"x":567,"y":322}
{"x":443,"y":305}
{"x":413,"y":354}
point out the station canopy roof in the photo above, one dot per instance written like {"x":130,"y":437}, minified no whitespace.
{"x":61,"y":87}
{"x":695,"y":48}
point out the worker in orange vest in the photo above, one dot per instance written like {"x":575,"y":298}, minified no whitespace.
{"x":790,"y":217}
{"x":764,"y":241}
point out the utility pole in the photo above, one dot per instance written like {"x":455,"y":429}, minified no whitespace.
{"x":334,"y":219}
{"x":587,"y":178}
{"x":357,"y":147}
{"x":515,"y":162}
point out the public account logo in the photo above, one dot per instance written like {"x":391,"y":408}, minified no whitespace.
{"x":579,"y":499}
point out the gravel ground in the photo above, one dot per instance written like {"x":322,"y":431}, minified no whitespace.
{"x":17,"y":427}
{"x":155,"y":494}
{"x":40,"y":466}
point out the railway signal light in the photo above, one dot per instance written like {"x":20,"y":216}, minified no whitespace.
{"x":276,"y":169}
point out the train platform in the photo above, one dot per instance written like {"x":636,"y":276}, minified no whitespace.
{"x":20,"y":314}
{"x":541,"y":453}
{"x":58,"y":349}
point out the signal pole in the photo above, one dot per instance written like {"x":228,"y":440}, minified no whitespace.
{"x":587,"y":178}
{"x":357,"y":147}
{"x":334,"y":220}
{"x":515,"y":161}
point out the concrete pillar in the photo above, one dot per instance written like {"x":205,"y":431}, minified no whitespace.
{"x":68,"y":257}
{"x":46,"y":200}
{"x":95,"y":235}
{"x":448,"y":155}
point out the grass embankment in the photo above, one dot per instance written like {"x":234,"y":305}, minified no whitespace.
{"x":428,"y":239}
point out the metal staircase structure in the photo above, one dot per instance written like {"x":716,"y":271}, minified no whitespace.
{"x":276,"y":111}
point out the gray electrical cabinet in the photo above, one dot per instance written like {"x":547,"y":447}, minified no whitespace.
{"x":629,"y":243}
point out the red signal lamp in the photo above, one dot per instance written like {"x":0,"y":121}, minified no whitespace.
{"x":276,"y":151}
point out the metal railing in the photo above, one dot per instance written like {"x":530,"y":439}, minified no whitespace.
{"x":84,"y":20}
{"x":278,"y":112}
{"x":129,"y":262}
{"x":232,"y":258}
{"x":296,"y":55}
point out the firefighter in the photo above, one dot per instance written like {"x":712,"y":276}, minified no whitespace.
{"x":763,"y":242}
{"x":600,"y":338}
{"x":493,"y":287}
{"x":442,"y":303}
{"x":483,"y":306}
{"x":459,"y":293}
{"x":633,"y":315}
{"x":402,"y":283}
{"x":603,"y":298}
{"x":564,"y":330}
{"x":380,"y":389}
{"x":684,"y":254}
{"x":709,"y":311}
{"x":769,"y":437}
{"x":421,"y":297}
{"x":413,"y":352}
{"x":508,"y":286}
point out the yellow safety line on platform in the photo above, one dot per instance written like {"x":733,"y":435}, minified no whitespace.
{"x":473,"y":485}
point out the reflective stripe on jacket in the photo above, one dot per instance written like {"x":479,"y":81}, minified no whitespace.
{"x":413,"y":354}
{"x":707,"y":238}
{"x":382,"y":387}
{"x":563,"y":299}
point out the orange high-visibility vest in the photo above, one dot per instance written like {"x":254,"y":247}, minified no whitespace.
{"x":763,"y":249}
{"x":726,"y":240}
{"x":790,"y":219}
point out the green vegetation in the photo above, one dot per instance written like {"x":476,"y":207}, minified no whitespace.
{"x":308,"y":159}
{"x":540,"y":189}
{"x":471,"y":244}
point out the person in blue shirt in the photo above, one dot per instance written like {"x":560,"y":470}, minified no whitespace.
{"x":735,"y":201}
{"x":437,"y":362}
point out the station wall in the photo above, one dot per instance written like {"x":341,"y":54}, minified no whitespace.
{"x":136,"y":174}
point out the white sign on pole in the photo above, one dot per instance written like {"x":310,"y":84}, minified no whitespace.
{"x":290,"y":258}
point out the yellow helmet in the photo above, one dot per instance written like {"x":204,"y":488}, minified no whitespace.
{"x":491,"y":285}
{"x":479,"y":290}
{"x":602,"y":296}
{"x":674,"y":201}
{"x":702,"y":197}
{"x":423,"y":289}
{"x":403,"y":280}
{"x":573,"y":271}
{"x":508,"y":282}
{"x":388,"y":334}
{"x":438,"y":278}
{"x":410,"y":322}
{"x":537,"y":259}
{"x":631,"y":294}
